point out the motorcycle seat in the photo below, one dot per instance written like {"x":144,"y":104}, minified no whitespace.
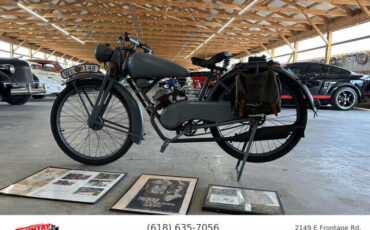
{"x":211,"y":62}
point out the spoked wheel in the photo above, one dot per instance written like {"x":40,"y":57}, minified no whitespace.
{"x":295,"y":113}
{"x":90,"y":144}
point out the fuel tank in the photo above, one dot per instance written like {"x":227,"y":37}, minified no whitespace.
{"x":143,"y":65}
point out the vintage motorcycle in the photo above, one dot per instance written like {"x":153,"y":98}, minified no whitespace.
{"x":95,"y":120}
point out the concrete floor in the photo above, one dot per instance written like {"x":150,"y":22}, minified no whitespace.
{"x":327,"y":173}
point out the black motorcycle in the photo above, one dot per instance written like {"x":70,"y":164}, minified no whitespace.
{"x":95,"y":120}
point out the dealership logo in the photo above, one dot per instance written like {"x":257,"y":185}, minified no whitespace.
{"x":40,"y":227}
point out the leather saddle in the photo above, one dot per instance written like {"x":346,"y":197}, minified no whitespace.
{"x":211,"y":62}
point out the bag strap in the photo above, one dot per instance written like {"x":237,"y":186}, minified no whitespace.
{"x":273,"y":103}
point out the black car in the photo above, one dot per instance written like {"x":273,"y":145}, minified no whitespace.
{"x":16,"y":81}
{"x":329,"y":84}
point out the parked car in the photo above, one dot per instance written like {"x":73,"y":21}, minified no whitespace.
{"x":333,"y":85}
{"x":16,"y":81}
{"x":46,"y":73}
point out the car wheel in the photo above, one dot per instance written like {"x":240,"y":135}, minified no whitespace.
{"x":18,"y":100}
{"x":344,"y":98}
{"x":38,"y":96}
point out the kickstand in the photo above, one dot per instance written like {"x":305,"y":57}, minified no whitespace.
{"x":240,"y":169}
{"x":168,"y":141}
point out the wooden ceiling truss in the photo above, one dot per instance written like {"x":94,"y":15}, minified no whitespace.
{"x":175,"y":28}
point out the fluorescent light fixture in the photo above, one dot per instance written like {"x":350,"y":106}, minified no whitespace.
{"x":77,"y":39}
{"x":52,"y":24}
{"x":223,"y":27}
{"x":247,"y":7}
{"x":208,"y":39}
{"x":226,"y":25}
{"x":60,"y":29}
{"x":31,"y":12}
{"x":192,"y":52}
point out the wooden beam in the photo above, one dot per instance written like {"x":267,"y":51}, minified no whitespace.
{"x":309,"y":19}
{"x":295,"y":53}
{"x":343,"y":2}
{"x":287,"y":41}
{"x":292,"y":10}
{"x":19,"y":45}
{"x":37,"y":50}
{"x":328,"y":48}
{"x":11,"y":49}
{"x":177,"y":3}
{"x":317,"y":29}
{"x":290,"y":58}
{"x":364,"y":7}
{"x":264,"y":47}
{"x":336,"y":24}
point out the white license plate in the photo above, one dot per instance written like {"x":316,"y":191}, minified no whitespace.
{"x":85,"y":68}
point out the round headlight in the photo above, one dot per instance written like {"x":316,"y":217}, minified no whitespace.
{"x":11,"y":69}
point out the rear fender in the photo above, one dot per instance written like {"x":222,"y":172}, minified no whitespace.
{"x":307,"y":94}
{"x":136,"y":114}
{"x":282,"y":73}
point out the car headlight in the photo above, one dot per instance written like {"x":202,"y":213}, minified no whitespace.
{"x":11,"y":69}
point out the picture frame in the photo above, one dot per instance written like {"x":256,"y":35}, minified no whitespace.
{"x":63,"y":184}
{"x":234,"y":200}
{"x":158,"y":194}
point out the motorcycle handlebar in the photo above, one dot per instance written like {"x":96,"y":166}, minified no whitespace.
{"x":126,"y":37}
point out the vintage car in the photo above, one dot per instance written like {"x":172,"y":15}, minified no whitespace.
{"x":16,"y":81}
{"x":329,"y":84}
{"x":46,"y":73}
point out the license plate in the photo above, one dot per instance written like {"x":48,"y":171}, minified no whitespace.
{"x":77,"y":69}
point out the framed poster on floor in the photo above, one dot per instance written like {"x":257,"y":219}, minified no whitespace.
{"x":65,"y":184}
{"x":242,"y":200}
{"x":156,"y":194}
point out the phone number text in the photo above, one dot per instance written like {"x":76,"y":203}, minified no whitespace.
{"x":183,"y":227}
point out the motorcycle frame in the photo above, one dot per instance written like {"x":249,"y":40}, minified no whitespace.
{"x":149,"y":106}
{"x":104,"y":96}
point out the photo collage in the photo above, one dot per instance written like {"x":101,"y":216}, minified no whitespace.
{"x":65,"y":184}
{"x":242,"y":200}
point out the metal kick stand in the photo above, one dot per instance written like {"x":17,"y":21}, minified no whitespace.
{"x":239,"y":170}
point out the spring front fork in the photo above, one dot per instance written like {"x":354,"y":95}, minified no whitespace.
{"x":102,"y":100}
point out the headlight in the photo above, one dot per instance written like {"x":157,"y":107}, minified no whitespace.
{"x":11,"y":69}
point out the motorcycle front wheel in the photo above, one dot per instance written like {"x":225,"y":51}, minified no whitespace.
{"x":294,"y":111}
{"x":96,"y":145}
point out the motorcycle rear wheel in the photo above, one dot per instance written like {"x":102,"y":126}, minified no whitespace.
{"x":73,"y":135}
{"x":263,"y":151}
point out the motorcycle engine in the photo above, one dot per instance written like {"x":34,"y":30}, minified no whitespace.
{"x":162,"y":98}
{"x":165,"y":97}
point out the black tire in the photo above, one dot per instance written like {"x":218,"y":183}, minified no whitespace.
{"x":285,"y":148}
{"x":344,"y":98}
{"x":18,"y":100}
{"x":66,"y":147}
{"x":38,"y":96}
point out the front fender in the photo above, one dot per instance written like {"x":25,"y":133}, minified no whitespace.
{"x":136,"y":115}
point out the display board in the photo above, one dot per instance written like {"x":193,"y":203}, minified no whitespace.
{"x":158,"y":195}
{"x":242,"y":200}
{"x":65,"y":184}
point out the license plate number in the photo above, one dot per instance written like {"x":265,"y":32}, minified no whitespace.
{"x":67,"y":73}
